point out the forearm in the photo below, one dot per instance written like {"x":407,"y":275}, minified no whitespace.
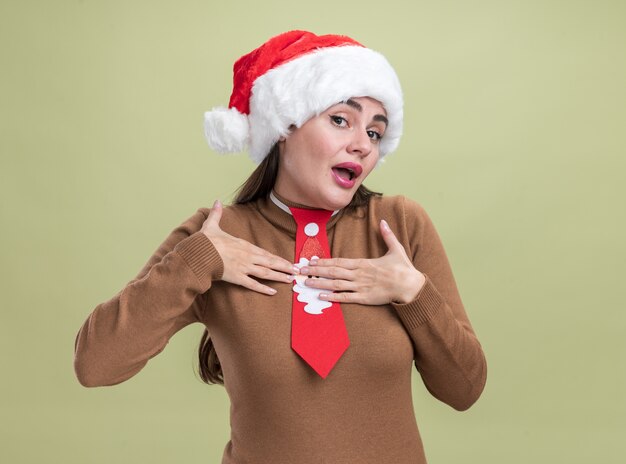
{"x":448,"y":355}
{"x":122,"y":334}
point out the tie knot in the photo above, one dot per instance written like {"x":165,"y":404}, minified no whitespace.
{"x":311,"y":221}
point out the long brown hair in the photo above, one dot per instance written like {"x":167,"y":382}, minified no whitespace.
{"x":257,"y":186}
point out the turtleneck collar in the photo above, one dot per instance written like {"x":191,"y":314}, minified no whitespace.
{"x":282,"y":205}
{"x":276,"y":210}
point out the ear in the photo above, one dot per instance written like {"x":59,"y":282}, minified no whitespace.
{"x":281,"y":146}
{"x":282,"y":138}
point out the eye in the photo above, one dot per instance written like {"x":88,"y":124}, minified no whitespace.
{"x":338,"y":120}
{"x":374,"y":135}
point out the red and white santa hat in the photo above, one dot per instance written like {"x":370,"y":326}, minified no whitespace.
{"x":293,"y":77}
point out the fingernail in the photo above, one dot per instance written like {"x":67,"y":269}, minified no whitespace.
{"x":217,"y":204}
{"x":323,"y":295}
{"x":272,"y":291}
{"x":304,"y":270}
{"x":313,"y":261}
{"x":385,"y":225}
{"x":296,"y":270}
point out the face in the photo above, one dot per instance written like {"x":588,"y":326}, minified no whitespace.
{"x":323,"y":162}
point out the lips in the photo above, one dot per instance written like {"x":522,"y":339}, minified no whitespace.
{"x":348,"y":171}
{"x":345,"y":174}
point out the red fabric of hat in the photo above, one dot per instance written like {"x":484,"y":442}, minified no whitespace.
{"x":273,"y":53}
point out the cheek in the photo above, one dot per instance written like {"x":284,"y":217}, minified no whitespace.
{"x":370,"y":166}
{"x":323,"y":143}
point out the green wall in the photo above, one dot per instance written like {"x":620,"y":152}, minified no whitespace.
{"x":514,"y":144}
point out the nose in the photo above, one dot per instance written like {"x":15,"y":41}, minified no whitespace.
{"x":360,"y":144}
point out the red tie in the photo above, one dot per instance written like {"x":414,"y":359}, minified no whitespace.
{"x":318,"y":331}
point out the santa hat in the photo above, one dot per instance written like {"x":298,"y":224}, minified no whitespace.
{"x":293,"y":77}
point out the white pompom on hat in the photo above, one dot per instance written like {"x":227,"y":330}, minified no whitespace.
{"x":293,"y":77}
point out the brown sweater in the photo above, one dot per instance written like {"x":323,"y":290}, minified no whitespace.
{"x":281,"y":410}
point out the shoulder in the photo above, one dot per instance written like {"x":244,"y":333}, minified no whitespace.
{"x":406,"y":217}
{"x":233,"y":216}
{"x":397,"y":207}
{"x":229,"y":210}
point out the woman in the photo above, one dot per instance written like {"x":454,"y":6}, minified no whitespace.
{"x":312,"y":325}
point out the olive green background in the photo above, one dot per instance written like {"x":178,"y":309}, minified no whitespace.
{"x":514,"y":143}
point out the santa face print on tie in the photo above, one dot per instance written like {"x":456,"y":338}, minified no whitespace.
{"x":309,"y":295}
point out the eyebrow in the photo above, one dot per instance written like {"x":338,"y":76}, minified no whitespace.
{"x":357,"y":106}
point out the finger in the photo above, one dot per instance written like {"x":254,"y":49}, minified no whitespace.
{"x":336,"y":285}
{"x":215,"y":215}
{"x":389,"y":237}
{"x":256,"y":286}
{"x":345,"y":263}
{"x":264,"y":258}
{"x":343,"y":297}
{"x":269,"y":274}
{"x":330,"y":272}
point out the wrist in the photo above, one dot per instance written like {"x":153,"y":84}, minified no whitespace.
{"x":414,"y":283}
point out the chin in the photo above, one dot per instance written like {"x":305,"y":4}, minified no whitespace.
{"x":339,"y":201}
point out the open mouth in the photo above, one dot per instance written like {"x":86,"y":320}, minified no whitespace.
{"x":344,"y":173}
{"x":348,"y":171}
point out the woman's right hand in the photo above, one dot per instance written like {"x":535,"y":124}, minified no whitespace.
{"x":242,"y":259}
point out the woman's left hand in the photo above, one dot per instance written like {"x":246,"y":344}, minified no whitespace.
{"x":390,"y":278}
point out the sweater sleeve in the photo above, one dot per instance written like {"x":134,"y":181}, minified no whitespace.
{"x":122,"y":334}
{"x":448,"y":355}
